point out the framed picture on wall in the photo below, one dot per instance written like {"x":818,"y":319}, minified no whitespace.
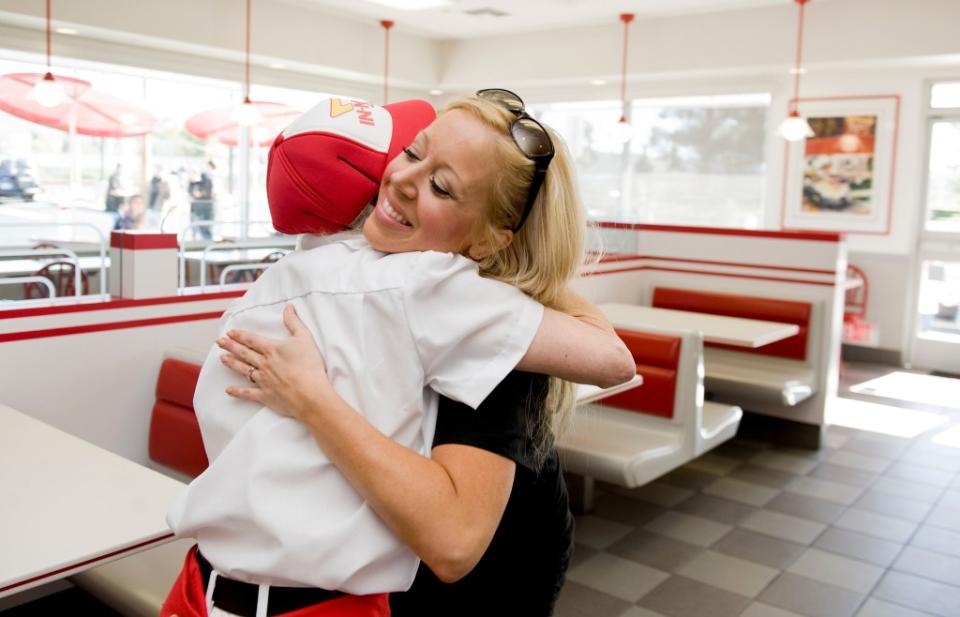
{"x":841,"y":178}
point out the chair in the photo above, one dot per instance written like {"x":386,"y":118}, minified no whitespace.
{"x":63,"y":276}
{"x":855,"y":304}
{"x":249,"y":276}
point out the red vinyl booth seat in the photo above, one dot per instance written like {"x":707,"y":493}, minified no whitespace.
{"x":748,"y":307}
{"x":657,"y":357}
{"x":174,"y":432}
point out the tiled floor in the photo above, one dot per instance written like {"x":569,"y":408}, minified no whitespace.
{"x":868,"y":526}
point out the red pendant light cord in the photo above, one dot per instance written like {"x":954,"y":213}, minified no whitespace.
{"x":387,"y":24}
{"x":626,"y":18}
{"x":48,"y":34}
{"x":799,"y":59}
{"x":246,"y":64}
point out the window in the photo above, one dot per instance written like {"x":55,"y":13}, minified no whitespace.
{"x":945,"y":95}
{"x":689,"y":160}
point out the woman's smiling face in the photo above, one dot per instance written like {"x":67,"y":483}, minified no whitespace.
{"x":434,"y":193}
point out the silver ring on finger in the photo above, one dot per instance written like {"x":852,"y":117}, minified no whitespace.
{"x":250,"y":375}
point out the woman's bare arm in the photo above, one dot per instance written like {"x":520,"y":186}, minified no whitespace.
{"x":446,"y":509}
{"x":580,"y":345}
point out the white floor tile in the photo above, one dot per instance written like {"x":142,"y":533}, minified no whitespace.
{"x":714,"y":463}
{"x":948,"y":518}
{"x":879,"y":608}
{"x":877,"y":525}
{"x":758,"y":609}
{"x":688,"y":528}
{"x":744,"y":492}
{"x":836,"y":570}
{"x":824,"y":489}
{"x":873,"y":464}
{"x":929,"y":564}
{"x":618,"y":577}
{"x":783,"y":526}
{"x":730,"y":573}
{"x":784,"y":462}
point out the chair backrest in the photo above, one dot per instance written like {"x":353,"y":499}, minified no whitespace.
{"x":63,"y":276}
{"x":657,"y":357}
{"x":855,"y":301}
{"x":175,"y":439}
{"x":748,"y":307}
{"x":249,"y":276}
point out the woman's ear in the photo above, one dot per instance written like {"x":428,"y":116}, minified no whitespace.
{"x":488,"y":245}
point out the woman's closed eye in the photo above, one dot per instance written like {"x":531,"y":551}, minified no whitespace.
{"x":438,"y":188}
{"x":411,"y":154}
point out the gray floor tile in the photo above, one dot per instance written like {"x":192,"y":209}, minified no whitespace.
{"x":837,"y":570}
{"x":937,"y":539}
{"x":891,"y":505}
{"x":738,"y":449}
{"x":731,"y":573}
{"x":781,"y":461}
{"x":950,"y":499}
{"x":759,"y":609}
{"x":948,"y":518}
{"x":581,"y":553}
{"x":715,"y":508}
{"x":907,"y":489}
{"x":688,"y":528}
{"x":825,"y":489}
{"x":657,"y":493}
{"x":580,"y":601}
{"x":863,"y":462}
{"x":679,"y":596}
{"x":919,"y":594}
{"x":806,"y":507}
{"x":874,"y":447}
{"x":618,"y":577}
{"x":599,"y":532}
{"x":920,"y":473}
{"x":878,"y":608}
{"x":714,"y":463}
{"x":625,"y":510}
{"x":844,"y":475}
{"x":655,"y":550}
{"x":942,"y":458}
{"x":759,"y":548}
{"x":636,"y":611}
{"x":773,"y":478}
{"x":936,"y":566}
{"x":859,"y":546}
{"x":879,"y":525}
{"x":689,"y":478}
{"x":809,"y":597}
{"x":740,"y":491}
{"x":783,"y":526}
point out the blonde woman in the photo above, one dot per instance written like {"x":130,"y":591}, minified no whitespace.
{"x":485,"y":181}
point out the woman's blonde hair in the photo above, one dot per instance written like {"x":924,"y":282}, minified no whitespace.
{"x":546,"y":251}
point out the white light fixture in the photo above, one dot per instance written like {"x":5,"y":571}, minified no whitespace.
{"x":598,"y":82}
{"x":796,"y":127}
{"x":66,"y":31}
{"x":623,"y":132}
{"x":247,"y":113}
{"x":278,"y":65}
{"x":412,"y":5}
{"x":436,"y":92}
{"x":47,"y":92}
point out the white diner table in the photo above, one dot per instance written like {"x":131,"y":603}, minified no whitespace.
{"x":67,"y":505}
{"x":588,"y":394}
{"x":715,"y":328}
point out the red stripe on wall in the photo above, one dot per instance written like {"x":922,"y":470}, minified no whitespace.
{"x":819,"y":236}
{"x":734,"y":264}
{"x":84,"y":563}
{"x":99,"y":327}
{"x":708,"y":273}
{"x":115,"y":304}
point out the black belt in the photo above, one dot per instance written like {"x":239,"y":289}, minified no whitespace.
{"x":240,"y":598}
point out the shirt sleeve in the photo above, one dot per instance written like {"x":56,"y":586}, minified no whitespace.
{"x":469,"y":331}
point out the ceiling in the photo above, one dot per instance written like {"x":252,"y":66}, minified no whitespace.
{"x":474,"y":18}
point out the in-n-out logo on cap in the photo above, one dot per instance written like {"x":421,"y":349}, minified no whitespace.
{"x":364,"y":110}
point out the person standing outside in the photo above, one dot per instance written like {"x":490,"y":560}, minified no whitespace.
{"x":201,"y":200}
{"x":115,"y":190}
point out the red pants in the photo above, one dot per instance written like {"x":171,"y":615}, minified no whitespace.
{"x":187,"y":598}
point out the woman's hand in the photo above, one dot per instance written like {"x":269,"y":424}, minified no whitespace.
{"x":288,"y":376}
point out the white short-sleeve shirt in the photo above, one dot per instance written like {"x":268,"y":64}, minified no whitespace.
{"x":395,"y":330}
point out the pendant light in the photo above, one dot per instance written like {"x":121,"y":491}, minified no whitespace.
{"x":624,"y":131}
{"x":796,"y":127}
{"x":47,"y":91}
{"x":247,"y":114}
{"x":386,"y":24}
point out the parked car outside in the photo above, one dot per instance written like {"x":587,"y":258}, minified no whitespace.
{"x":17,"y":179}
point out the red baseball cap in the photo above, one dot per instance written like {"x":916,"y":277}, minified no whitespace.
{"x":326,"y":166}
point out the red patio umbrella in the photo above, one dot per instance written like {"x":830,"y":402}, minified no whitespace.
{"x":95,"y":113}
{"x":221,"y":123}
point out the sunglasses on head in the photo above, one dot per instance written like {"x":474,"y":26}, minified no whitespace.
{"x":531,"y":138}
